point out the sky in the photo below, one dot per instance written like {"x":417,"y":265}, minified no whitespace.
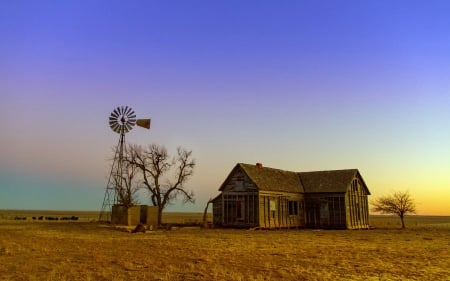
{"x":296,"y":85}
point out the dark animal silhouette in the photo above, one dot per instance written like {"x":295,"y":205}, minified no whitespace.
{"x":51,"y":218}
{"x":139,"y":228}
{"x":73,"y":218}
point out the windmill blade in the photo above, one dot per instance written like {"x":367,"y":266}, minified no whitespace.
{"x":112,"y":123}
{"x":129,"y":111}
{"x":144,"y":123}
{"x":131,"y":123}
{"x":123,"y":119}
{"x":126,"y":110}
{"x":116,"y":112}
{"x":115,"y":127}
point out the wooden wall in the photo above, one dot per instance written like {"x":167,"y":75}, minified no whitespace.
{"x":281,"y":210}
{"x":339,"y":210}
{"x":325,"y":210}
{"x":237,"y":206}
{"x":357,"y":206}
{"x":239,"y":209}
{"x":242,"y":205}
{"x":217,"y":210}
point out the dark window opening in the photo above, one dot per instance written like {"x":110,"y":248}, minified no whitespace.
{"x":293,"y":208}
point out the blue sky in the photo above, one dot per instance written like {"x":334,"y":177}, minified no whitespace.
{"x":297,"y":85}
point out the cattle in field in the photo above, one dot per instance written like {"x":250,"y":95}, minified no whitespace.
{"x":72,"y":218}
{"x":51,"y":218}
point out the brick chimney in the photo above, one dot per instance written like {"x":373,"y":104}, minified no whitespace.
{"x":259,"y":165}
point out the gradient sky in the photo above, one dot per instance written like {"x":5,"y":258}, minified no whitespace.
{"x":296,"y":85}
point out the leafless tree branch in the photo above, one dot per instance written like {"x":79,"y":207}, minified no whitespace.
{"x":399,"y":203}
{"x":154,"y":164}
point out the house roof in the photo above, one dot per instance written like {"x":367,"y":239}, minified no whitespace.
{"x":327,"y":181}
{"x":270,"y":179}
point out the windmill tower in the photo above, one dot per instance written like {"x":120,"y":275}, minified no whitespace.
{"x":121,"y":121}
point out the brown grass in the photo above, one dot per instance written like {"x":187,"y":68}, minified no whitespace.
{"x":31,"y":250}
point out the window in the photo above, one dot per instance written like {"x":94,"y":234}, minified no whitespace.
{"x":324,"y":210}
{"x":293,"y":208}
{"x":273,"y":205}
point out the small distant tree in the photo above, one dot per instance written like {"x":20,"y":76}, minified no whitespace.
{"x":164,"y":177}
{"x":399,"y":203}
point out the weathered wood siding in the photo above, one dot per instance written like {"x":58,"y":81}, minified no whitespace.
{"x":357,"y":211}
{"x":325,"y":210}
{"x":217,"y":210}
{"x":243,"y":204}
{"x":239,"y":202}
{"x":339,"y":210}
{"x":281,"y":210}
{"x":240,"y":209}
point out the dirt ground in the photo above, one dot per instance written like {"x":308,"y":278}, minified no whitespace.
{"x":83,"y":250}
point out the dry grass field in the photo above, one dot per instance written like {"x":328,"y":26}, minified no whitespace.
{"x":87,"y":250}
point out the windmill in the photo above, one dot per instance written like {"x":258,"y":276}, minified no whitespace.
{"x":121,"y":121}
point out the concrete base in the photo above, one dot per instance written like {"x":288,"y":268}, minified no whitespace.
{"x":135,"y":215}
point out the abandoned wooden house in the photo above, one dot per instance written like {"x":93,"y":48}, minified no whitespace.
{"x":257,"y":196}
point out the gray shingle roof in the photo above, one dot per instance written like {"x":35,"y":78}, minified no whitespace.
{"x":270,"y":179}
{"x":327,"y":181}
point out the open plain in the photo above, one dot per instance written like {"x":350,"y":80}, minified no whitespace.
{"x":87,"y":250}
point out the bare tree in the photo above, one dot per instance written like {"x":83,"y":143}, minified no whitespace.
{"x":125,"y":183}
{"x":162,"y":176}
{"x":399,"y":203}
{"x":130,"y":185}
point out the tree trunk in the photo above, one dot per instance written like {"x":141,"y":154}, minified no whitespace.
{"x":160,"y":215}
{"x":403,"y":222}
